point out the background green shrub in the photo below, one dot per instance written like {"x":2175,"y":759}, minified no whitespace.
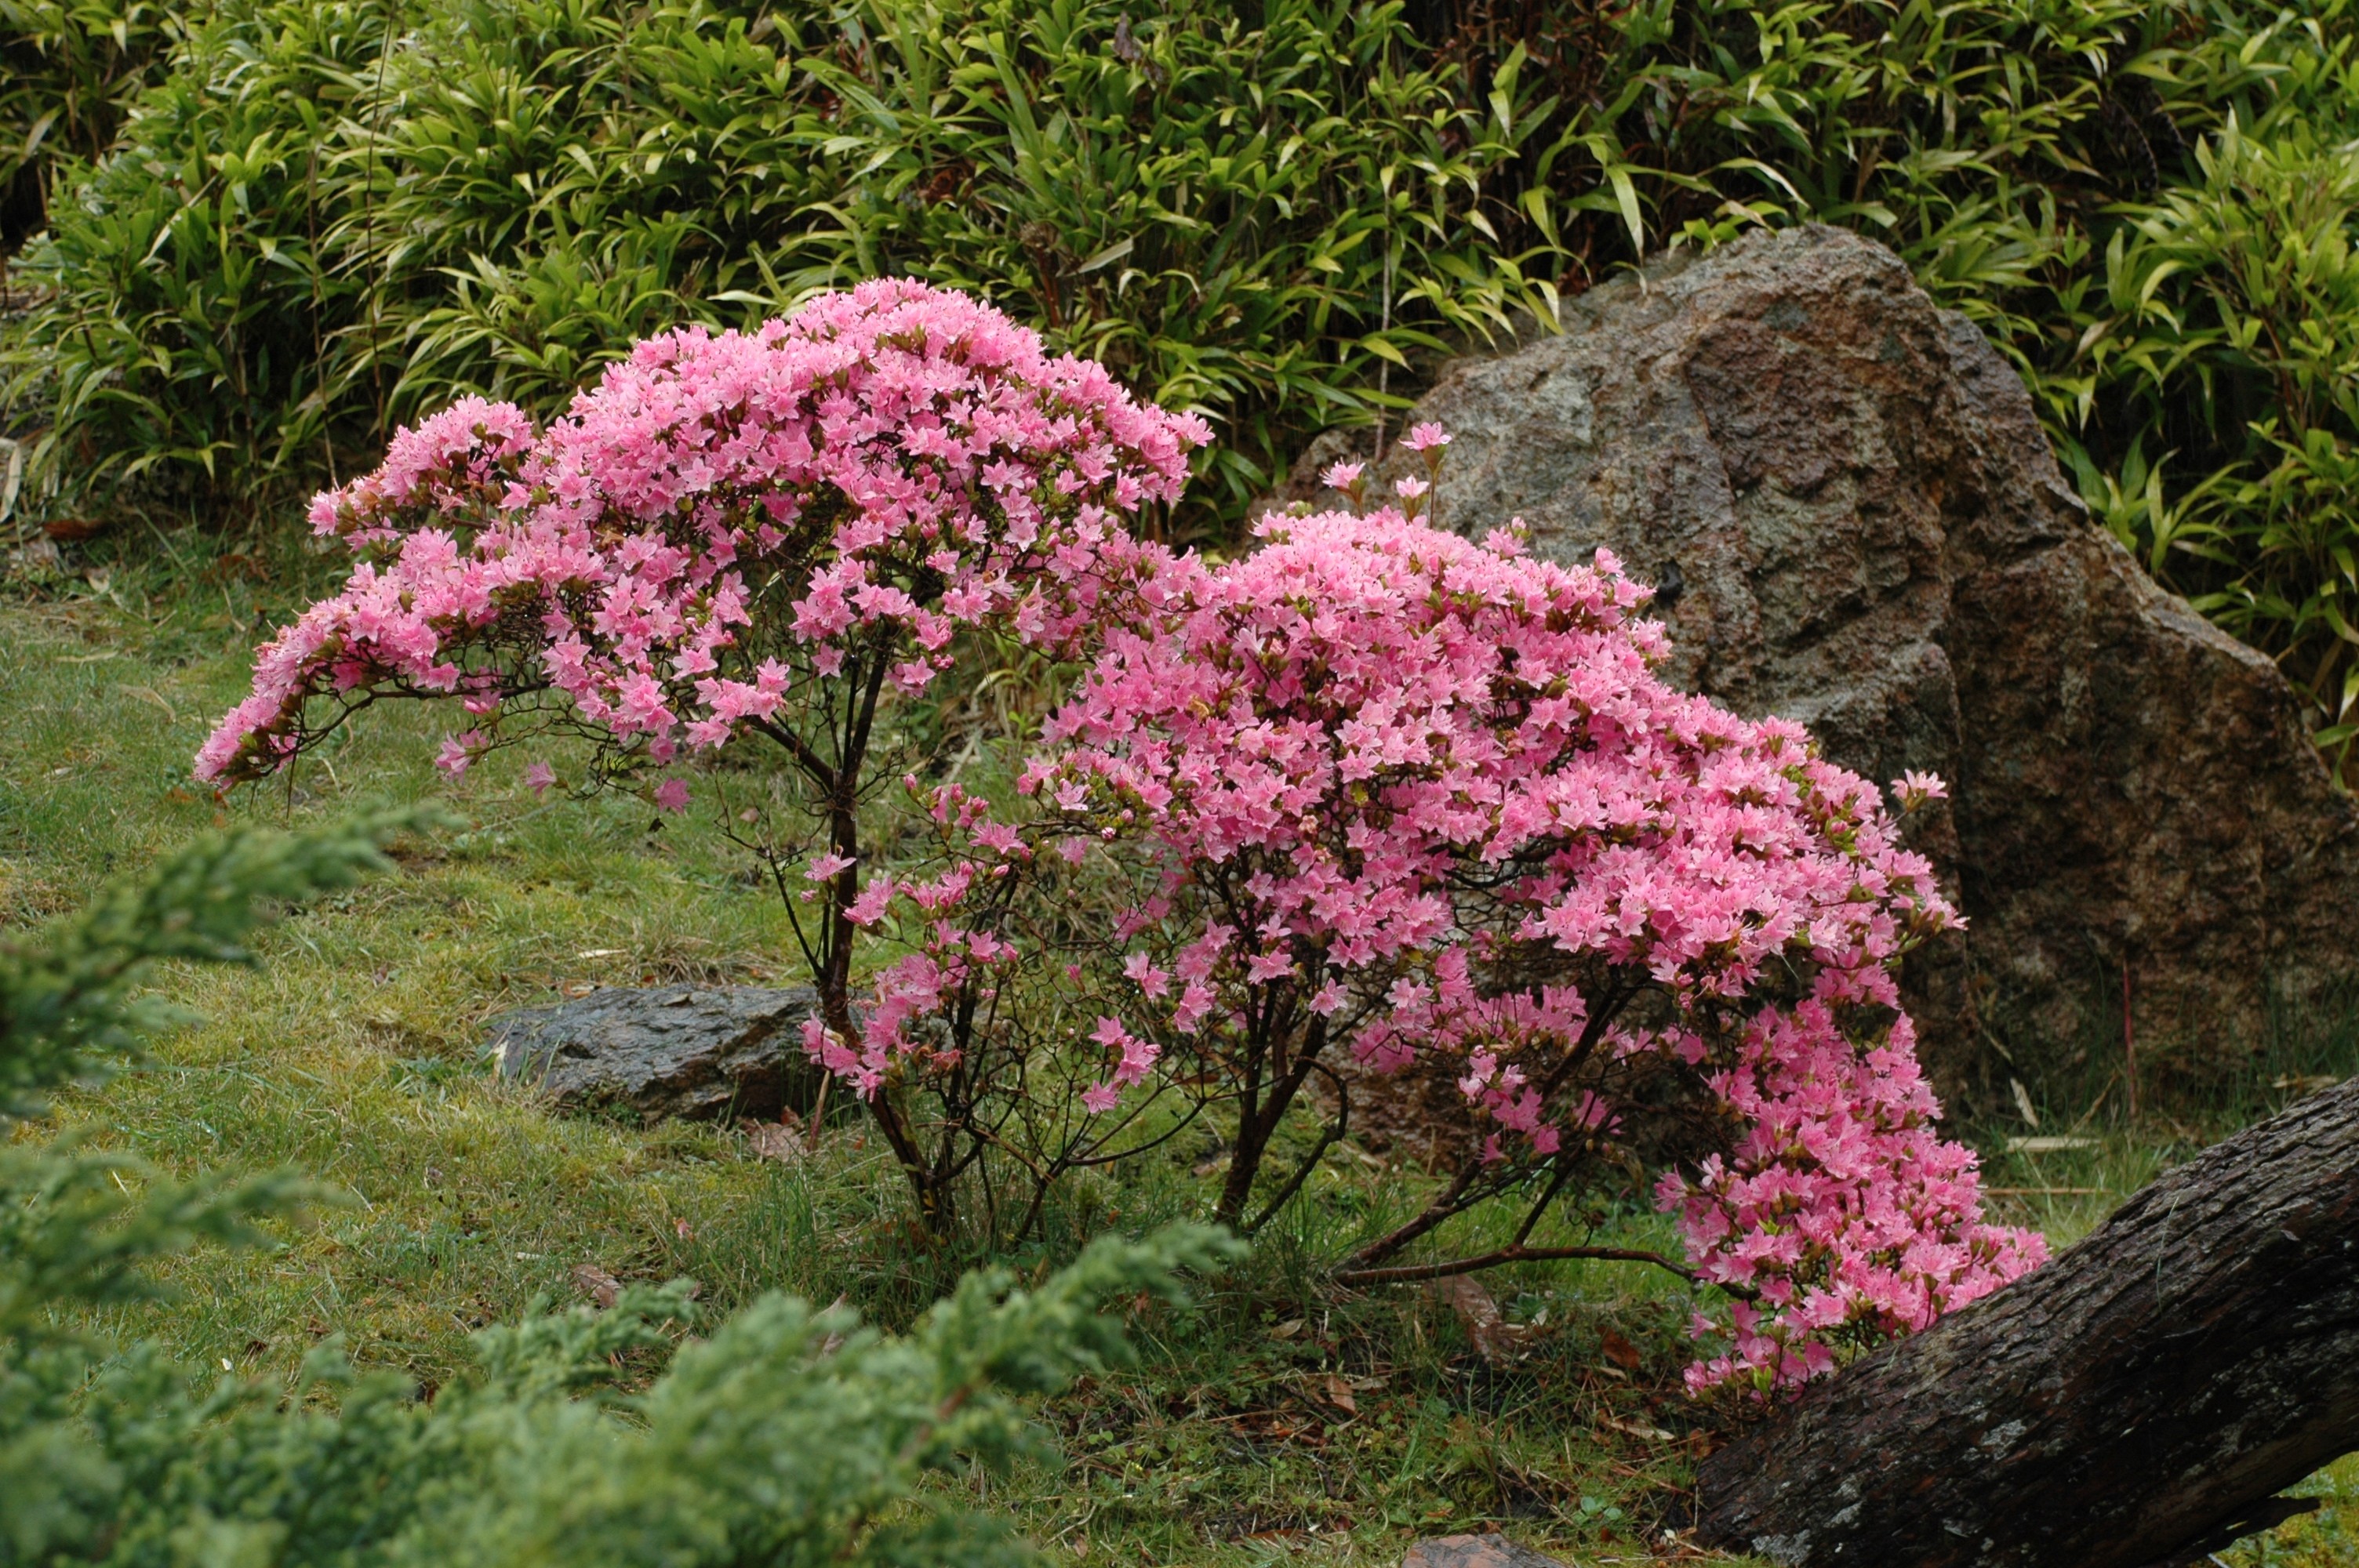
{"x":69,"y":72}
{"x":331,"y":217}
{"x":325,"y":216}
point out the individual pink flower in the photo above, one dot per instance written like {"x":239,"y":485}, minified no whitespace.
{"x":538,"y":777}
{"x":1341,"y":475}
{"x":874,"y":900}
{"x":1140,"y":971}
{"x":1915,"y":789}
{"x":459,"y":752}
{"x":1426,"y":437}
{"x":672,"y":794}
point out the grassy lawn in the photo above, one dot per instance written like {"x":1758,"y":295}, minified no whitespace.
{"x":1281,"y":1420}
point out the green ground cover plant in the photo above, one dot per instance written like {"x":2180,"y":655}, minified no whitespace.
{"x":790,"y":1435}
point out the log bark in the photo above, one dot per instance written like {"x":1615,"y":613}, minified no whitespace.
{"x":2136,"y":1404}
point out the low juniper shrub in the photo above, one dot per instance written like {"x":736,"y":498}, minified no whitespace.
{"x":791,"y":1435}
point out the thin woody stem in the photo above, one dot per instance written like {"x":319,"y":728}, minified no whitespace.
{"x":1518,"y":1253}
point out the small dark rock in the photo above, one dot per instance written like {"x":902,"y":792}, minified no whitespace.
{"x":690,"y":1053}
{"x":1474,"y":1551}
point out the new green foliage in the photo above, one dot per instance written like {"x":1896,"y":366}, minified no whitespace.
{"x":790,"y":1436}
{"x":330,"y":215}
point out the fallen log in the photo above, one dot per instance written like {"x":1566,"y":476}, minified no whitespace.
{"x":2136,"y":1404}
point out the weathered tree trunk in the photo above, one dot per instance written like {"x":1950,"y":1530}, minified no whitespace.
{"x":2136,"y":1402}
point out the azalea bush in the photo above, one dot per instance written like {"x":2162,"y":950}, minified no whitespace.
{"x":1370,"y":794}
{"x":1390,"y":799}
{"x":765,"y":538}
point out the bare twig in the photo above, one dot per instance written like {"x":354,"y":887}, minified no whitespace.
{"x":1518,"y":1254}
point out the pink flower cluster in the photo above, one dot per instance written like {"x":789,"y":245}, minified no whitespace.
{"x":888,"y":466}
{"x":962,"y":956}
{"x":1841,"y":1210}
{"x":950,"y":958}
{"x":1411,"y":792}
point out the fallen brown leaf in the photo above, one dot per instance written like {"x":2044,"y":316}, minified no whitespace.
{"x":1494,"y":1337}
{"x":597,"y":1284}
{"x":1339,"y":1394}
{"x":779,"y":1140}
{"x":1640,"y":1429}
{"x":1620,"y":1351}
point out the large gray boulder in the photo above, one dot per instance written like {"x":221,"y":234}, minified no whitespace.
{"x":1856,"y":522}
{"x":686,"y":1052}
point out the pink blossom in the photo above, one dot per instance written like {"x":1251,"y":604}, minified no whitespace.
{"x":1341,"y":475}
{"x":870,"y":906}
{"x":1424,"y":438}
{"x":616,"y":536}
{"x":458,"y":751}
{"x":1914,"y":788}
{"x":1375,"y":739}
{"x":539,"y":776}
{"x":1140,"y":971}
{"x":672,"y":794}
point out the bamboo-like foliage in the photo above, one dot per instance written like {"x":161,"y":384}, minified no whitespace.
{"x":70,"y":70}
{"x":334,"y":216}
{"x":330,"y":215}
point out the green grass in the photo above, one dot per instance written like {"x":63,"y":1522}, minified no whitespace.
{"x":2327,"y":1538}
{"x":1283,"y":1419}
{"x":353,"y":1053}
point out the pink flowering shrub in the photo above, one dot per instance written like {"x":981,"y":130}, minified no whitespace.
{"x":772,"y":534}
{"x":1372,"y":795}
{"x":1400,"y":794}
